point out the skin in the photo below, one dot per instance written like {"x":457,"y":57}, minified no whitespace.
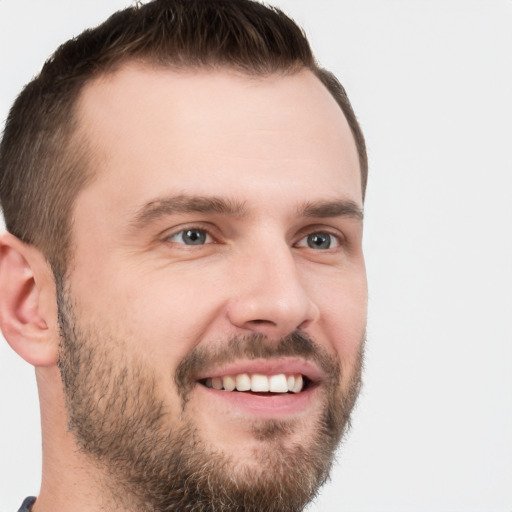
{"x":265,"y":146}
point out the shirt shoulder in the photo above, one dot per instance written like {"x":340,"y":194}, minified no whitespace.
{"x":25,"y":506}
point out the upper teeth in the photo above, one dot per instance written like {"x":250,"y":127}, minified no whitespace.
{"x":279,"y":383}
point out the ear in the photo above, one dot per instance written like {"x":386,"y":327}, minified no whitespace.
{"x":28,"y":306}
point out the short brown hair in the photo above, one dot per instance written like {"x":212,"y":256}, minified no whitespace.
{"x":43,"y":162}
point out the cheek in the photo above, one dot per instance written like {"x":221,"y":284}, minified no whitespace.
{"x":166,"y":316}
{"x":343,"y":316}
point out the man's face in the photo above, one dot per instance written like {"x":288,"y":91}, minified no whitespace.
{"x":219,"y":245}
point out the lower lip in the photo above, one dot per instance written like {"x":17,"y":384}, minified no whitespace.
{"x":271,"y":406}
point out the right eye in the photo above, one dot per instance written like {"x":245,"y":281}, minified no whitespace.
{"x":191,"y":236}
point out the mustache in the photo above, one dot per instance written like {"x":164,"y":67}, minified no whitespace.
{"x":255,"y":346}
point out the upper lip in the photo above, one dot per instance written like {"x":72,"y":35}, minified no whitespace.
{"x":286,"y":365}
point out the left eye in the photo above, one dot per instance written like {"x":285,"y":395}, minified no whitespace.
{"x":191,"y":236}
{"x":319,"y":240}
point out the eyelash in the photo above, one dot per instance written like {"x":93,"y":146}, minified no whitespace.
{"x":335,"y":238}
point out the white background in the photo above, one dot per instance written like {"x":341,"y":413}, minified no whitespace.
{"x":431,"y":81}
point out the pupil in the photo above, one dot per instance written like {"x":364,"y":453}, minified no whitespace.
{"x":319,"y":241}
{"x":194,"y":237}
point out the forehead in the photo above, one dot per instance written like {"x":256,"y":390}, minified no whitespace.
{"x":155,"y":129}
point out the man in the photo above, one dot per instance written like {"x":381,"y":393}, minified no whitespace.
{"x":183,"y":190}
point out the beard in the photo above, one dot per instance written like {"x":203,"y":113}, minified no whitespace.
{"x":121,"y":422}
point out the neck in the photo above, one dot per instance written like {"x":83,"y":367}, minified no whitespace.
{"x":69,"y":477}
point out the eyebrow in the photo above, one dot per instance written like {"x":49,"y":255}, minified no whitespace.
{"x":336,"y":208}
{"x":165,"y":206}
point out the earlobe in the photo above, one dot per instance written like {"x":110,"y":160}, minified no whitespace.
{"x":27,"y":319}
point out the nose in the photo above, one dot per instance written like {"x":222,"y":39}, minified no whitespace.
{"x":270,"y":297}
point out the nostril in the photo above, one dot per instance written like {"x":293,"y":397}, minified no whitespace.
{"x":304,"y":325}
{"x":259,"y":321}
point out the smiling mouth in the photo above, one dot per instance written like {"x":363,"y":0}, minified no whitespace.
{"x":280,"y":383}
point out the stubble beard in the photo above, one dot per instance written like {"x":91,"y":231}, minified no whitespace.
{"x":121,"y":423}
